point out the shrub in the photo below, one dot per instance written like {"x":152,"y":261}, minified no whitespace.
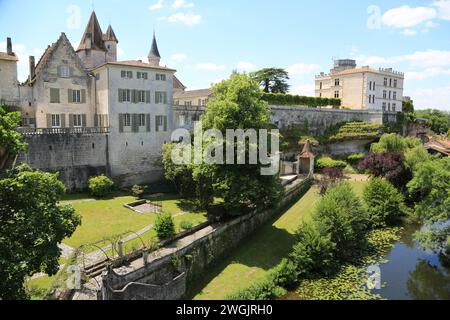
{"x":388,"y":165}
{"x":416,"y":156}
{"x":186,"y":225}
{"x":266,"y":289}
{"x":340,"y":215}
{"x":355,"y":158}
{"x":329,"y":176}
{"x":100,"y":186}
{"x":394,"y":143}
{"x":285,"y":273}
{"x":383,"y":202}
{"x":164,"y":226}
{"x":327,"y":162}
{"x":137,"y":191}
{"x":313,"y":252}
{"x":295,"y":100}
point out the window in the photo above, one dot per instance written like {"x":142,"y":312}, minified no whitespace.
{"x":390,"y":82}
{"x":142,"y":75}
{"x":395,"y":83}
{"x":384,"y":94}
{"x":389,"y":106}
{"x":336,"y":94}
{"x":161,"y":123}
{"x":188,"y":103}
{"x":160,"y":77}
{"x":394,"y":95}
{"x":126,"y":74}
{"x":54,"y":95}
{"x":77,"y":120}
{"x":160,"y":97}
{"x":76,"y":96}
{"x":127,"y":120}
{"x":393,"y":107}
{"x":141,"y":96}
{"x":321,"y":86}
{"x":181,"y":120}
{"x":336,"y":82}
{"x":124,"y":95}
{"x":390,"y":94}
{"x":141,"y":120}
{"x":384,"y":106}
{"x":385,"y":82}
{"x":56,"y":121}
{"x":64,"y":71}
{"x":370,"y":85}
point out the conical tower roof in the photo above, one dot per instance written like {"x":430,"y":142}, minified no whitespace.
{"x":154,"y":52}
{"x":307,"y":151}
{"x":110,"y":35}
{"x":94,"y":32}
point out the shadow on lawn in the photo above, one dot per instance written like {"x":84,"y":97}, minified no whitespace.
{"x":263,"y":249}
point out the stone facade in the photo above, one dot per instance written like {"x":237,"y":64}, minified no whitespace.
{"x":9,"y":87}
{"x":362,"y":88}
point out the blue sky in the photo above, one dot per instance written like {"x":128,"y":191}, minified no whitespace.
{"x":206,"y":39}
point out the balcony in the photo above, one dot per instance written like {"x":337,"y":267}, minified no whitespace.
{"x":42,"y":131}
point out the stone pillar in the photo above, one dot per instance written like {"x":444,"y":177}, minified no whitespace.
{"x":120,"y":248}
{"x":9,"y":46}
{"x":32,"y":67}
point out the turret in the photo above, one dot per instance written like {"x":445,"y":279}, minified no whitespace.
{"x":92,"y":50}
{"x":154,"y":57}
{"x":110,"y":40}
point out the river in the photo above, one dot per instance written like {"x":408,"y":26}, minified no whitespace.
{"x":412,"y":273}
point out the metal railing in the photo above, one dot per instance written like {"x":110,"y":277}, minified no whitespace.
{"x":81,"y":130}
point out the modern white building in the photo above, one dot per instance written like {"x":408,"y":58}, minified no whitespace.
{"x":362,"y":88}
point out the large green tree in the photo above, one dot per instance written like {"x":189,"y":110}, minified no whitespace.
{"x":237,"y":104}
{"x":31,"y":226}
{"x":430,"y":187}
{"x":273,"y":80}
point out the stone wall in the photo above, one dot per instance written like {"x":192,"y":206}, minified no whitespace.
{"x":75,"y":156}
{"x":205,"y":248}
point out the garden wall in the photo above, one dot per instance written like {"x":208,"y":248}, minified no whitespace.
{"x":75,"y":156}
{"x":196,"y":254}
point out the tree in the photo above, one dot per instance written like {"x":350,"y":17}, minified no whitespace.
{"x":383,"y":202}
{"x":10,"y":140}
{"x":430,"y":187}
{"x":416,"y":156}
{"x":438,"y":121}
{"x":272,"y":80}
{"x":165,"y":226}
{"x":100,"y":186}
{"x":32,"y":223}
{"x":395,"y":143}
{"x":237,"y":104}
{"x":408,"y":106}
{"x":388,"y":165}
{"x":340,"y":215}
{"x":181,"y":175}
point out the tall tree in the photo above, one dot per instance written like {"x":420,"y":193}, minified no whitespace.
{"x":272,"y":80}
{"x":237,"y":104}
{"x":438,"y":121}
{"x":430,"y":187}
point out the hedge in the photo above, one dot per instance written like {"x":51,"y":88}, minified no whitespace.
{"x":295,"y":100}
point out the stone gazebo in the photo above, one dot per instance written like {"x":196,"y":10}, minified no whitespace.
{"x":306,"y":160}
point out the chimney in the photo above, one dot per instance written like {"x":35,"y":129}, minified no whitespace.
{"x":9,"y":46}
{"x":32,"y":68}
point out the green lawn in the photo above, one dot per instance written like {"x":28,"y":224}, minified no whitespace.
{"x":103,"y":218}
{"x":258,"y":253}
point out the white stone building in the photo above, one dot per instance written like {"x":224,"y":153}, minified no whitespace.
{"x":9,"y":88}
{"x":362,"y":88}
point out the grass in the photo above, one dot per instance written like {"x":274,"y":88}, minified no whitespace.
{"x":260,"y":252}
{"x":104,"y":218}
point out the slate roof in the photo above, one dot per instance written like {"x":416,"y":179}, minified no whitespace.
{"x":110,"y":35}
{"x":307,"y":151}
{"x":192,"y":94}
{"x":93,"y":29}
{"x":136,"y":63}
{"x":154,"y":52}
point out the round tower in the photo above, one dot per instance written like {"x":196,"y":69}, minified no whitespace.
{"x":154,"y":58}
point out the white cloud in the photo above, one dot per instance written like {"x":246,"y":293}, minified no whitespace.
{"x":177,"y":4}
{"x":244,"y":66}
{"x":176,"y":58}
{"x":157,"y":6}
{"x":409,"y":32}
{"x":303,"y":89}
{"x":210,"y":67}
{"x":430,"y":97}
{"x":302,"y":68}
{"x":443,"y":7}
{"x":186,"y":18}
{"x":425,"y":74}
{"x":428,"y":58}
{"x":407,"y":17}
